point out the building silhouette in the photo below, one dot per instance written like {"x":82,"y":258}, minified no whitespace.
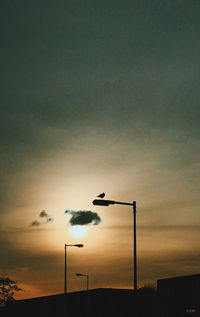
{"x":175,"y":297}
{"x":95,"y":302}
{"x":180,"y":296}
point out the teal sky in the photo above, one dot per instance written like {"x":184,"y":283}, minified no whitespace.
{"x":99,"y":96}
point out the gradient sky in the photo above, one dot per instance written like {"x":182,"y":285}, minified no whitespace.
{"x":99,"y":96}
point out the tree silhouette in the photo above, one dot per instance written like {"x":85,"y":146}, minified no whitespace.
{"x":7,"y":289}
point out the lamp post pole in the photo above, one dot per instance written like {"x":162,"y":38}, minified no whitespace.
{"x":135,"y":245}
{"x":68,"y":245}
{"x":65,"y":291}
{"x":103,"y":202}
{"x":87,"y":282}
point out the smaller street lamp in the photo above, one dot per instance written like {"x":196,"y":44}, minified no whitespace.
{"x":79,"y":245}
{"x":85,"y":275}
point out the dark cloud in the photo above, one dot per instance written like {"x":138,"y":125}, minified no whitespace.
{"x":43,"y":214}
{"x":83,"y":217}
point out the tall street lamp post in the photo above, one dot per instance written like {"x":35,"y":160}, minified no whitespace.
{"x":103,"y":202}
{"x":87,"y":278}
{"x":69,"y":245}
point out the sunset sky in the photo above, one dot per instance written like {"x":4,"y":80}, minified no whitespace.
{"x":99,"y":96}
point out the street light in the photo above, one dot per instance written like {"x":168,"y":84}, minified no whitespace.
{"x":103,"y":202}
{"x":85,"y":275}
{"x":69,"y":245}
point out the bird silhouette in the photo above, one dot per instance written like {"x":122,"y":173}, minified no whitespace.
{"x":101,"y":195}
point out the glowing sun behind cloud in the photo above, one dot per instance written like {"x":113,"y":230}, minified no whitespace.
{"x":78,"y":231}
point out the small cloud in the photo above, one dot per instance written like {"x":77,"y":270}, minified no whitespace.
{"x":43,"y":214}
{"x":83,"y":217}
{"x":35,"y":223}
{"x":49,"y":219}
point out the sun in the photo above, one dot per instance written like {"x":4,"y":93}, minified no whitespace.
{"x":78,"y":231}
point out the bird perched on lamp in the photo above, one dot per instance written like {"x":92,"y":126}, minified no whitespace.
{"x":101,"y":195}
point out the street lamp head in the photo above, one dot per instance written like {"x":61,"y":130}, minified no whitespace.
{"x":103,"y":202}
{"x":80,"y":274}
{"x":78,"y":245}
{"x":85,"y":275}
